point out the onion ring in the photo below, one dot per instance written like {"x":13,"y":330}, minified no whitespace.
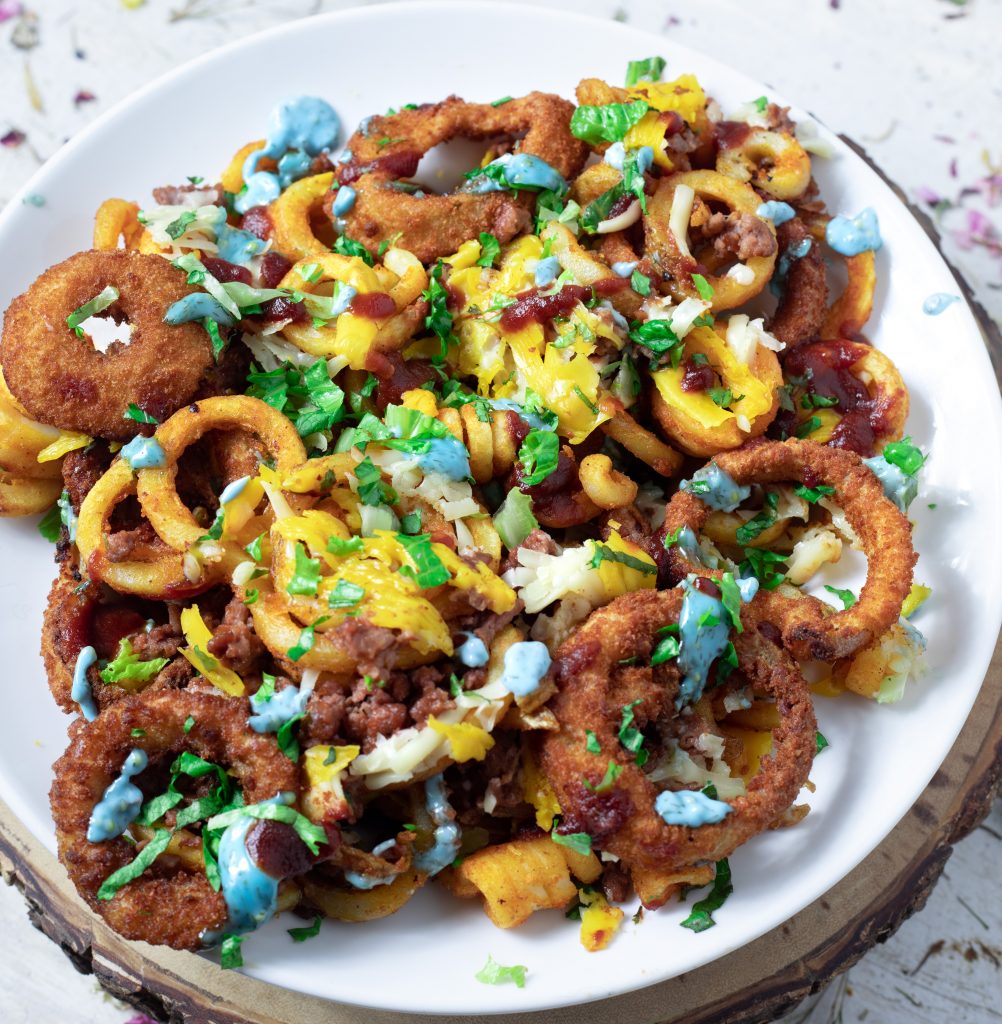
{"x":168,"y":906}
{"x":810,"y":627}
{"x":802,"y":309}
{"x":593,"y":687}
{"x":82,"y":389}
{"x":388,"y":148}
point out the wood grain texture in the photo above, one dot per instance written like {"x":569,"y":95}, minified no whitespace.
{"x":759,"y":982}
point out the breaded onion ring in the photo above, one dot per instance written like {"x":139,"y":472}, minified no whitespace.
{"x":170,"y":905}
{"x":810,"y":627}
{"x":65,"y":381}
{"x":803,"y":307}
{"x":389,"y":148}
{"x":603,"y":667}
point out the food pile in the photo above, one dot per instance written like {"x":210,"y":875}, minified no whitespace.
{"x":406,"y":534}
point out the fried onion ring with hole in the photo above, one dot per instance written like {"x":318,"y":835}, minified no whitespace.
{"x":691,"y":420}
{"x":157,"y":572}
{"x":774,"y":162}
{"x":848,"y":314}
{"x":639,"y":441}
{"x":673,"y":254}
{"x":82,"y":389}
{"x":801,"y":310}
{"x":593,"y":687}
{"x":872,"y":400}
{"x":810,"y":627}
{"x":117,"y":219}
{"x":296,"y":216}
{"x":167,"y":905}
{"x":157,"y":488}
{"x":389,"y":148}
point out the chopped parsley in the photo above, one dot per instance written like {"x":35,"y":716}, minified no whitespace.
{"x":230,"y":956}
{"x":701,"y":917}
{"x":439,"y":319}
{"x":591,"y":743}
{"x":847,"y":597}
{"x":372,"y":489}
{"x":906,"y":456}
{"x":50,"y":523}
{"x":730,"y":598}
{"x":139,"y":415}
{"x":808,"y":427}
{"x":607,"y":123}
{"x":813,"y":494}
{"x":490,"y":249}
{"x":579,"y":842}
{"x":305,"y":574}
{"x":632,"y":183}
{"x":131,"y":871}
{"x":100,"y":302}
{"x":428,"y":569}
{"x":630,"y":736}
{"x":761,"y":564}
{"x":612,"y":772}
{"x":345,"y":594}
{"x":310,"y":932}
{"x":603,"y":553}
{"x":341,"y":546}
{"x":129,"y":667}
{"x":640,"y":283}
{"x":703,"y":287}
{"x":592,"y":407}
{"x":307,"y":636}
{"x":346,"y":246}
{"x":821,"y":743}
{"x":747,"y":532}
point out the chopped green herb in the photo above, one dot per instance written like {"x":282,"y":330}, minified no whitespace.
{"x":311,"y":835}
{"x":345,"y":594}
{"x":810,"y":400}
{"x":723,"y":397}
{"x":808,"y":427}
{"x":821,"y":743}
{"x":847,"y":597}
{"x":139,"y":415}
{"x":592,"y":407}
{"x":50,"y":524}
{"x":701,"y":917}
{"x":501,"y":102}
{"x":630,"y":736}
{"x":177,"y":228}
{"x":747,"y":532}
{"x":346,"y":246}
{"x":230,"y":956}
{"x":813,"y":494}
{"x":100,"y":302}
{"x":306,"y":639}
{"x":667,"y":648}
{"x":411,"y":522}
{"x":514,"y":520}
{"x":650,"y":68}
{"x":254,"y":548}
{"x":759,"y":563}
{"x":612,"y":772}
{"x":493,"y":973}
{"x":311,"y":932}
{"x":215,"y":338}
{"x":579,"y":842}
{"x":603,"y":553}
{"x":372,"y":490}
{"x":439,"y":319}
{"x":703,"y":287}
{"x":906,"y":456}
{"x":761,"y":103}
{"x":131,"y":871}
{"x":305,"y":574}
{"x":640,"y":283}
{"x":730,"y":598}
{"x":189,"y":724}
{"x":137,"y":733}
{"x":591,"y":743}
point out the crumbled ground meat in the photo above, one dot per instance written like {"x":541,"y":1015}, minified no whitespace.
{"x":739,"y":235}
{"x":174,"y":676}
{"x":778,"y":119}
{"x":538,"y":540}
{"x":235,"y":641}
{"x":177,"y":195}
{"x":372,"y":647}
{"x":373,"y":708}
{"x":160,"y":642}
{"x":121,"y":546}
{"x":615,"y":882}
{"x":498,"y":777}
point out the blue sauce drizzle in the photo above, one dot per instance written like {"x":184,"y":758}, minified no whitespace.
{"x":688,"y":808}
{"x":520,"y":169}
{"x":473,"y":652}
{"x":624,"y":268}
{"x":117,"y":809}
{"x":144,"y":453}
{"x":343,"y":201}
{"x":307,"y":126}
{"x":271,"y":714}
{"x":236,"y":246}
{"x":446,"y":455}
{"x":525,"y":664}
{"x":704,"y":626}
{"x":778,"y":213}
{"x":694,"y":552}
{"x":251,"y":894}
{"x":898,"y":486}
{"x":233,"y":490}
{"x":34,"y":199}
{"x":938,"y":302}
{"x":80,"y":690}
{"x":359,"y":881}
{"x":447,"y":833}
{"x":508,"y":404}
{"x":852,"y":235}
{"x":197,"y":306}
{"x":67,"y":516}
{"x":547,"y":271}
{"x":716,"y":489}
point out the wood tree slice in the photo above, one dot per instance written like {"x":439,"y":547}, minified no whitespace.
{"x":753,"y":985}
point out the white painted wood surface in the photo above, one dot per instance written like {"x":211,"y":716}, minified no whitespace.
{"x":918,"y":82}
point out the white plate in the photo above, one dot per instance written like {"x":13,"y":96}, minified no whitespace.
{"x":881,"y":758}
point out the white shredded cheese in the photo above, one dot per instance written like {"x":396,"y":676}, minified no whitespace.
{"x":741,"y":273}
{"x":678,"y":219}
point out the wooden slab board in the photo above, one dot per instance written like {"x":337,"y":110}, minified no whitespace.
{"x":755,"y":984}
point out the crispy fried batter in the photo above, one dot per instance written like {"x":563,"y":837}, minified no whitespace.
{"x":810,"y":628}
{"x":388,"y":148}
{"x":594,"y":685}
{"x":168,"y":904}
{"x":802,"y":309}
{"x":65,"y":381}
